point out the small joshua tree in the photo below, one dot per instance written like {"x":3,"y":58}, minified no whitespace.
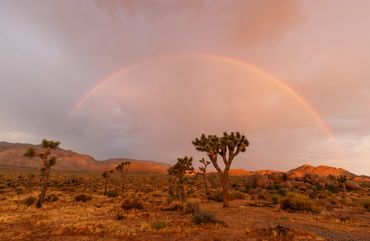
{"x":343,"y":179}
{"x":48,"y":160}
{"x":106,"y":176}
{"x":228,"y":147}
{"x":122,"y":169}
{"x":178,"y":171}
{"x":203,"y":172}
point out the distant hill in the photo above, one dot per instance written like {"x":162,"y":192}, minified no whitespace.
{"x":12,"y":154}
{"x":319,"y":170}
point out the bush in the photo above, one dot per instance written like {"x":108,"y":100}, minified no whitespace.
{"x":192,"y":206}
{"x":203,"y":217}
{"x":236,"y":195}
{"x":366,"y":204}
{"x":111,"y":194}
{"x":82,"y":198}
{"x":129,"y":204}
{"x":332,"y":188}
{"x":176,"y":206}
{"x":29,"y":201}
{"x":51,"y":198}
{"x":216,"y":196}
{"x":298,"y":202}
{"x":158,"y":225}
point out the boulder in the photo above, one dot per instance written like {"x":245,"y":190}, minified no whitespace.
{"x":258,"y":180}
{"x":352,"y":185}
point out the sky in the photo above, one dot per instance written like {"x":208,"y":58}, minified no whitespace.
{"x":142,"y":79}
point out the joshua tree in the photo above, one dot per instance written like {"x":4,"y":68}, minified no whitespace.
{"x":122,"y":169}
{"x":48,"y":160}
{"x":178,"y":171}
{"x":228,"y":147}
{"x":343,"y":179}
{"x":106,"y":176}
{"x":203,"y":172}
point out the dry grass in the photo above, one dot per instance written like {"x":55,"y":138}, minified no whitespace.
{"x":142,"y":212}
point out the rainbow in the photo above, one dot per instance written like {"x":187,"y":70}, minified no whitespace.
{"x":283,"y":85}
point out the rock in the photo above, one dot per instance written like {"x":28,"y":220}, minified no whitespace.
{"x":258,"y":180}
{"x":352,"y":185}
{"x":278,"y":178}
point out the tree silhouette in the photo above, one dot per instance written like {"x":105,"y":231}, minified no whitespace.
{"x":106,"y":176}
{"x":48,"y":160}
{"x":228,"y":147}
{"x":203,"y":172}
{"x":178,"y":171}
{"x":122,"y":169}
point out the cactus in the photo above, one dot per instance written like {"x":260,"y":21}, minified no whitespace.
{"x":228,"y":147}
{"x":48,"y":160}
{"x":178,"y":171}
{"x":122,"y":169}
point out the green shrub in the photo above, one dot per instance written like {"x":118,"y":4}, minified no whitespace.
{"x":192,"y":206}
{"x":129,"y":204}
{"x":82,"y":198}
{"x":203,"y":217}
{"x":29,"y":201}
{"x":298,"y":202}
{"x":111,"y":194}
{"x":332,"y":188}
{"x":158,"y":225}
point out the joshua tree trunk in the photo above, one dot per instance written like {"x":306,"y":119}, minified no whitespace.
{"x":225,"y":191}
{"x":44,"y":186}
{"x":123,"y":183}
{"x":106,"y":185}
{"x":205,"y":183}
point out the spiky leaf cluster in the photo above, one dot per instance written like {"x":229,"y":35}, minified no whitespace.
{"x":204,"y":163}
{"x":123,"y":167}
{"x":234,"y":143}
{"x":50,"y":144}
{"x":182,"y":167}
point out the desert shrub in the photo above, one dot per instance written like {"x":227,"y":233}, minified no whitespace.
{"x":298,"y":202}
{"x":134,"y":203}
{"x":276,"y":198}
{"x":29,"y":201}
{"x":176,"y":206}
{"x":236,"y":195}
{"x":111,"y":194}
{"x":366,"y":204}
{"x":216,"y":196}
{"x":192,"y":206}
{"x":332,"y":188}
{"x":51,"y":198}
{"x":203,"y":217}
{"x":82,"y":198}
{"x":160,"y":224}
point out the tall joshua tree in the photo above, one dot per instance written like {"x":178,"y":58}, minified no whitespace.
{"x":48,"y":160}
{"x":122,"y":169}
{"x":106,"y":176}
{"x":178,"y":171}
{"x":203,"y":172}
{"x":228,"y":147}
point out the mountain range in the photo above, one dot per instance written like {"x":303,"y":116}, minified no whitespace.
{"x":12,"y":154}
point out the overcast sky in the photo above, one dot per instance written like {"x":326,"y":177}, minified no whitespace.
{"x":194,"y":66}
